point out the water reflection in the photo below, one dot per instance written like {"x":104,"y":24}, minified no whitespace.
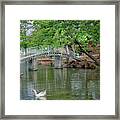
{"x":61,"y":84}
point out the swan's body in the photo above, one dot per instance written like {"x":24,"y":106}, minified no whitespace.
{"x":39,"y":94}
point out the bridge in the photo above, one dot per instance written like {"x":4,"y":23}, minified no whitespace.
{"x":47,"y":53}
{"x":31,"y":57}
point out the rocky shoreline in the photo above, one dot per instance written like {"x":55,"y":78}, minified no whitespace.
{"x":83,"y":62}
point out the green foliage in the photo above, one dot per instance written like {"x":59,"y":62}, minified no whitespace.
{"x":24,"y":27}
{"x":58,"y":33}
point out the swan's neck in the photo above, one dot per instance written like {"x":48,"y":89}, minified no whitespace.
{"x":35,"y":92}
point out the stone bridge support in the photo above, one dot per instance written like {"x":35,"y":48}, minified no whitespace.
{"x":58,"y":61}
{"x":33,"y":64}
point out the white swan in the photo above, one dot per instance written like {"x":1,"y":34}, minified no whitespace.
{"x":39,"y":94}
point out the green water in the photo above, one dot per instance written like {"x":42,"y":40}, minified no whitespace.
{"x":61,"y":84}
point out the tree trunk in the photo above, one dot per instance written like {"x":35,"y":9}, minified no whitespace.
{"x":90,"y":56}
{"x":68,"y":50}
{"x":25,"y":51}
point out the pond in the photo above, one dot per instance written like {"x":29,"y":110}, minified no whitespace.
{"x":60,"y":84}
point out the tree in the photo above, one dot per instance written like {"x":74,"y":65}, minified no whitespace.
{"x":25,"y":25}
{"x":60,"y":33}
